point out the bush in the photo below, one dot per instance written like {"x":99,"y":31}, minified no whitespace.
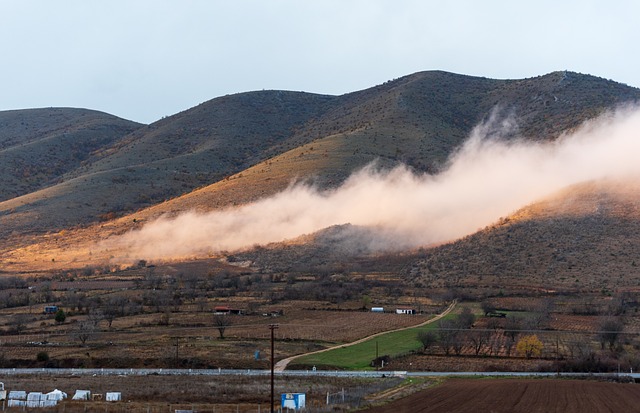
{"x":60,"y":316}
{"x":42,"y":356}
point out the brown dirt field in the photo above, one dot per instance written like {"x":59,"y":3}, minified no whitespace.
{"x":206,"y":394}
{"x":519,"y":395}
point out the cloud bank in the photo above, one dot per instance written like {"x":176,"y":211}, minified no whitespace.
{"x":489,"y":177}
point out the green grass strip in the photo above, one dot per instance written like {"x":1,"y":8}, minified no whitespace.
{"x":359,"y":356}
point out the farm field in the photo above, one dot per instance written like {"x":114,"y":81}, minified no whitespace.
{"x":166,"y":317}
{"x":518,"y":395}
{"x":219,"y":394}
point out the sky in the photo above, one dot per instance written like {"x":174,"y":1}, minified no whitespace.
{"x":146,"y":59}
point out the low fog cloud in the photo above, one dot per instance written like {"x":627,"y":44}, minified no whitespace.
{"x":487,"y":178}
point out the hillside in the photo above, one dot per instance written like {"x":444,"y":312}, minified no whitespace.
{"x":39,"y":146}
{"x":582,"y":238}
{"x":239,"y":148}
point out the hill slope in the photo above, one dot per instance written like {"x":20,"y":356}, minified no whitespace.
{"x":585,"y":237}
{"x":39,"y":146}
{"x":251,"y":145}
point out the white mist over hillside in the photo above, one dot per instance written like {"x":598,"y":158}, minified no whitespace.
{"x":487,"y":178}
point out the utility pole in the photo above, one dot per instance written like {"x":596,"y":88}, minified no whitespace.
{"x":177,"y":348}
{"x":272,"y":327}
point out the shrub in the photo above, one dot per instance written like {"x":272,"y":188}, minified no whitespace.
{"x":60,"y":316}
{"x":42,"y":356}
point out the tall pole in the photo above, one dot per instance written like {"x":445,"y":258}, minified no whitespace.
{"x":272,"y":327}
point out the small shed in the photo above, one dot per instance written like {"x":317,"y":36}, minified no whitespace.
{"x":405,"y":310}
{"x":113,"y":396}
{"x":377,"y":309}
{"x":295,"y":401}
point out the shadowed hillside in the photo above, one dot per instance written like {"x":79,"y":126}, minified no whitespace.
{"x":38,"y":146}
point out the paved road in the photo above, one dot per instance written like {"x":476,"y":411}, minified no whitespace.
{"x":328,"y":373}
{"x":282,"y":364}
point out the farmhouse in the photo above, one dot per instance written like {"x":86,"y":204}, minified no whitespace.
{"x":405,"y":310}
{"x":223,"y":309}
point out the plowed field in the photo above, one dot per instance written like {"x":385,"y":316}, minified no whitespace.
{"x":519,"y":395}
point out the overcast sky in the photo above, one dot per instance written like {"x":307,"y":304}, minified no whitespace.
{"x":145,"y":59}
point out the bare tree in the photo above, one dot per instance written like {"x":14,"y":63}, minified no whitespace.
{"x":610,"y":330}
{"x":428,"y":338}
{"x":19,"y":322}
{"x":96,"y":315}
{"x":479,"y":339}
{"x":83,"y":331}
{"x":221,"y":322}
{"x":487,"y":307}
{"x":447,"y":335}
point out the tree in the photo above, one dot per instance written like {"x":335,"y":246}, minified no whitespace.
{"x":19,"y":322}
{"x":60,"y":316}
{"x":487,"y":307}
{"x":610,"y":330}
{"x":529,"y":346}
{"x":428,"y":338}
{"x":221,"y":322}
{"x":448,"y":334}
{"x":512,"y":327}
{"x":366,"y":302}
{"x":83,"y":331}
{"x":479,"y":339}
{"x":466,"y":318}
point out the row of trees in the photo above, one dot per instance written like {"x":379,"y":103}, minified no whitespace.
{"x":501,"y":336}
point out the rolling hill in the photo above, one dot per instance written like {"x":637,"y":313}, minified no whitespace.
{"x":239,"y":148}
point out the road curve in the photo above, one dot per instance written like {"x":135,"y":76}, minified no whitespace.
{"x":282,"y":364}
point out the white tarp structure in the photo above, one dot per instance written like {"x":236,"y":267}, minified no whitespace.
{"x":82,"y":395}
{"x":34,"y":398}
{"x":113,"y":396}
{"x":17,"y":398}
{"x":56,"y":395}
{"x":17,"y":395}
